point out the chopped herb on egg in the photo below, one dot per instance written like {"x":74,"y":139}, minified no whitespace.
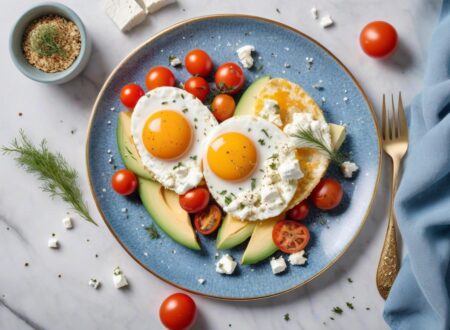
{"x":195,"y":119}
{"x":227,"y":200}
{"x":241,"y":206}
{"x":273,"y":166}
{"x":337,"y":310}
{"x":223,"y":192}
{"x":174,"y":101}
{"x":249,"y":130}
{"x":232,"y":195}
{"x":286,"y":317}
{"x":274,"y":156}
{"x":262,"y":142}
{"x":178,"y":165}
{"x":253,"y":183}
{"x":193,"y":157}
{"x":185,"y":109}
{"x":164,"y":103}
{"x":265,"y":132}
{"x":182,"y":96}
{"x":349,"y":305}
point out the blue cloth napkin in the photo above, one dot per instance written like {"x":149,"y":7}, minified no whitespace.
{"x":420,"y":297}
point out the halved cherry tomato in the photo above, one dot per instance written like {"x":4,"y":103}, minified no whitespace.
{"x":130,"y":94}
{"x":198,"y":87}
{"x":207,"y":221}
{"x":223,"y":107}
{"x":327,"y":194}
{"x":124,"y":182}
{"x":290,"y":236}
{"x":159,"y":76}
{"x":229,"y":78}
{"x":177,"y":312}
{"x":378,"y":39}
{"x":299,"y":211}
{"x":198,"y":62}
{"x":195,"y":200}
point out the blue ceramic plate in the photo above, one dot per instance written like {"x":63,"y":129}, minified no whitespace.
{"x":281,"y":52}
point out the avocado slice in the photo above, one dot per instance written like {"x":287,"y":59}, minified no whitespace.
{"x":127,"y":149}
{"x":338,"y":133}
{"x":165,"y":210}
{"x":247,"y":100}
{"x":233,"y":232}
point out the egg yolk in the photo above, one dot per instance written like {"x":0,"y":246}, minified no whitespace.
{"x":167,"y":134}
{"x":232,"y":156}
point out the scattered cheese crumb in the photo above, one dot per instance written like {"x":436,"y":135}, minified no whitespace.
{"x":226,"y":265}
{"x":278,"y":265}
{"x":345,"y":99}
{"x":348,"y":168}
{"x":124,"y":210}
{"x":297,"y":258}
{"x":201,"y":281}
{"x":245,"y":55}
{"x":67,"y":222}
{"x":326,"y":21}
{"x":174,"y":61}
{"x":119,"y":278}
{"x":53,"y":243}
{"x":94,"y":283}
{"x":314,"y":13}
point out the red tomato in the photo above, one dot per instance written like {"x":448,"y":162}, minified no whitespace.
{"x":207,"y":221}
{"x":327,"y":194}
{"x":378,"y":39}
{"x":229,"y":78}
{"x":198,"y":62}
{"x":124,"y":182}
{"x":198,"y":87}
{"x":177,"y":312}
{"x":159,"y":76}
{"x":290,"y":236}
{"x":130,"y":94}
{"x":299,"y":211}
{"x":195,"y":200}
{"x":223,"y":107}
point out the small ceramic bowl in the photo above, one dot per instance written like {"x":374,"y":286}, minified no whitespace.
{"x":16,"y":52}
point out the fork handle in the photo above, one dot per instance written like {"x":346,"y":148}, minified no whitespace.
{"x":389,"y":263}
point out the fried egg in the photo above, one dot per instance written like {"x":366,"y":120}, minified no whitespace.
{"x":168,"y":126}
{"x":250,"y":168}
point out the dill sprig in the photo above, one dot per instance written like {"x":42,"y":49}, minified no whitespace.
{"x":152,"y":232}
{"x":317,"y":141}
{"x":58,"y":178}
{"x":44,"y":41}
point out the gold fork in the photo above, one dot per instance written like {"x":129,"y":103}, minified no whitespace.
{"x":395,"y":144}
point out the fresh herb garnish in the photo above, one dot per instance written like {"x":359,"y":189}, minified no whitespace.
{"x":185,"y":110}
{"x":232,"y":195}
{"x":193,"y":157}
{"x":273,"y":166}
{"x":349,"y":305}
{"x":164,"y":103}
{"x":349,"y":280}
{"x":241,"y":206}
{"x":337,"y":310}
{"x":274,"y":156}
{"x":44,"y":41}
{"x":223,"y":192}
{"x":265,"y":132}
{"x":286,"y":317}
{"x":259,"y":68}
{"x":178,"y":165}
{"x":152,"y":232}
{"x":253,"y":183}
{"x":58,"y":178}
{"x":262,"y":142}
{"x":227,"y":200}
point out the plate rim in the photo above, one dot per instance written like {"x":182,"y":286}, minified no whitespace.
{"x":264,"y":20}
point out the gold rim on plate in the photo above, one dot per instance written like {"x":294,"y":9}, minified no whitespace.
{"x":261,"y":19}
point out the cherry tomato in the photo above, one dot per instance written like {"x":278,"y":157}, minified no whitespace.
{"x":159,"y":76}
{"x":177,"y":312}
{"x":198,"y":87}
{"x":327,"y":194}
{"x":124,"y":182}
{"x":290,"y":236}
{"x":229,"y":78}
{"x":299,"y":211}
{"x":207,"y":221}
{"x":223,"y":107}
{"x":198,"y":62}
{"x":378,"y":39}
{"x":195,"y":200}
{"x":130,"y":94}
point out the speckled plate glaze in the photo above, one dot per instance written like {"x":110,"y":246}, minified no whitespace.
{"x":281,"y":52}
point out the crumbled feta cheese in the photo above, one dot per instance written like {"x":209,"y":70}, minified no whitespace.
{"x":305,"y":121}
{"x":94,"y":283}
{"x":348,"y":168}
{"x":174,"y":61}
{"x":53,"y":243}
{"x":271,"y":112}
{"x":152,"y":6}
{"x":290,"y":170}
{"x":226,"y":265}
{"x":126,"y":14}
{"x":323,"y":99}
{"x":67,"y":222}
{"x":124,"y":210}
{"x":314,"y":13}
{"x":345,"y":99}
{"x":119,"y":278}
{"x":201,"y":281}
{"x":245,"y":55}
{"x":326,"y":21}
{"x":270,"y":194}
{"x":297,"y":258}
{"x":278,"y":265}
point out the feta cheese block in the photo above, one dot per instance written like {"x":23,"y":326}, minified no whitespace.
{"x":53,"y":243}
{"x":201,"y":281}
{"x":226,"y":265}
{"x":278,"y":265}
{"x":126,"y":14}
{"x":326,"y":21}
{"x":271,"y":112}
{"x":67,"y":222}
{"x":245,"y":55}
{"x":348,"y":168}
{"x":152,"y":6}
{"x":290,"y":170}
{"x":297,"y":258}
{"x":304,"y":121}
{"x":119,"y":278}
{"x":94,"y":283}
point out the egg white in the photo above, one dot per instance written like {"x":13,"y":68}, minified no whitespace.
{"x":243,"y":199}
{"x":185,"y":172}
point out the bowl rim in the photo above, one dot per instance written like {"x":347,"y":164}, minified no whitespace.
{"x":22,"y":23}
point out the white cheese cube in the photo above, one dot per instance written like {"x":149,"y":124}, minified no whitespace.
{"x":290,"y":170}
{"x":326,"y":21}
{"x":245,"y":55}
{"x":278,"y":265}
{"x":297,"y":258}
{"x":314,"y":13}
{"x":53,"y":243}
{"x":270,"y":194}
{"x":119,"y":278}
{"x":201,"y":281}
{"x":126,"y":14}
{"x":226,"y":265}
{"x":348,"y":168}
{"x":94,"y":283}
{"x":152,"y":6}
{"x":67,"y":222}
{"x":271,"y":112}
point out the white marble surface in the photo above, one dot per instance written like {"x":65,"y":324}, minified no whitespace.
{"x":34,"y":296}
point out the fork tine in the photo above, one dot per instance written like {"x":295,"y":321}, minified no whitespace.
{"x":393,"y":121}
{"x":384,"y":124}
{"x":402,"y":118}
